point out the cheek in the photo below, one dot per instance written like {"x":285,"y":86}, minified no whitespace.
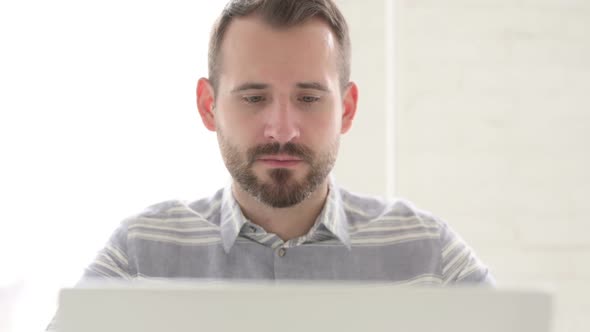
{"x":326,"y":123}
{"x":240,"y":130}
{"x":321,"y":132}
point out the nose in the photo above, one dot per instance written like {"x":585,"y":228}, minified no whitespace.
{"x":281,"y":123}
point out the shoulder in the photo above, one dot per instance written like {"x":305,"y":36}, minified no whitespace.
{"x":177,"y":214}
{"x":367,"y":211}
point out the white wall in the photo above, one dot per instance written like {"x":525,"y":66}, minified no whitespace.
{"x":366,"y":154}
{"x":493,"y":134}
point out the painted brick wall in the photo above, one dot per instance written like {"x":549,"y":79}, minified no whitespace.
{"x":493,"y":134}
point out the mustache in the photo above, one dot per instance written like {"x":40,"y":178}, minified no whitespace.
{"x":296,"y":150}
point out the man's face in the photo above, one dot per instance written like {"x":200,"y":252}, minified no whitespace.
{"x":279,"y":108}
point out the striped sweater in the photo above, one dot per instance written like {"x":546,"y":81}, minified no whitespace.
{"x":355,"y":237}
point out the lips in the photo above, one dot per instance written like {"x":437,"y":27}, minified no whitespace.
{"x":280,"y":161}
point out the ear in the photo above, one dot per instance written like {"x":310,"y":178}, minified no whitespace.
{"x":205,"y":103}
{"x":349,"y":104}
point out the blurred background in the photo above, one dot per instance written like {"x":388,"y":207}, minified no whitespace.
{"x":477,"y":111}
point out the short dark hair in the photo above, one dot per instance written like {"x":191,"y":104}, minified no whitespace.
{"x":282,"y":14}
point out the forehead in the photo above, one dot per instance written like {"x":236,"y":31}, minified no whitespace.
{"x":253,"y":50}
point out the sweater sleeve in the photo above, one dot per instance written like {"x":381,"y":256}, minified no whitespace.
{"x":460,"y":265}
{"x":112,"y":260}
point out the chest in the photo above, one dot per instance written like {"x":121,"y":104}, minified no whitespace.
{"x":415,"y":260}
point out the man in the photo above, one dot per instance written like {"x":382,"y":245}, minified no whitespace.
{"x":279,"y":97}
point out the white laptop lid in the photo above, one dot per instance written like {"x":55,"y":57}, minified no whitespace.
{"x":304,"y":307}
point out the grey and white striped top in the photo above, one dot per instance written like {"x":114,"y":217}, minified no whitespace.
{"x":354,"y":238}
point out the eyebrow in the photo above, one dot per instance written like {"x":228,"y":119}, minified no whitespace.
{"x":250,"y":86}
{"x":313,"y":86}
{"x":262,"y":86}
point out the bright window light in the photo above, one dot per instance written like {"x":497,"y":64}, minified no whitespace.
{"x":97,"y":121}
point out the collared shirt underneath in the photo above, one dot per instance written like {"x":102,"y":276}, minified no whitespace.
{"x":355,"y":237}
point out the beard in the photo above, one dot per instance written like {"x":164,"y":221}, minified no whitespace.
{"x":283,"y":189}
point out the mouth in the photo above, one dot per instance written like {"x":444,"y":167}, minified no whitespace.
{"x":280,"y":161}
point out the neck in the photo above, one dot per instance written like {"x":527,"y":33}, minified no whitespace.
{"x":287,"y":223}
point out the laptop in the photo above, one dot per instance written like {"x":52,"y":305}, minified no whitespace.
{"x":290,"y":307}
